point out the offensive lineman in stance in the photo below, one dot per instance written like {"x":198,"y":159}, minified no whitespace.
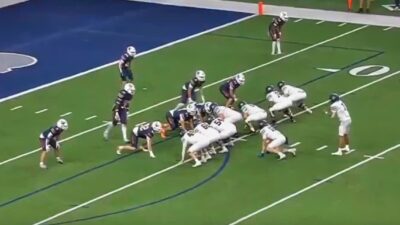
{"x":252,"y":113}
{"x":274,"y":141}
{"x":275,"y":31}
{"x":295,"y":94}
{"x":339,"y":108}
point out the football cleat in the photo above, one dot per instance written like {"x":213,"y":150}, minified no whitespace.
{"x":63,"y":124}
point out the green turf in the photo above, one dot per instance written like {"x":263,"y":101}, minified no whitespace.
{"x":246,"y":183}
{"x":338,"y":5}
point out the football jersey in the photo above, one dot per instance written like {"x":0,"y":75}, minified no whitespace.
{"x":192,"y":137}
{"x":268,"y":132}
{"x":193,"y":84}
{"x":122,"y":100}
{"x":276,"y":23}
{"x":340,"y":109}
{"x":252,"y":109}
{"x":275,"y":97}
{"x":220,"y":125}
{"x":144,"y":131}
{"x":125,"y":61}
{"x":289,"y":90}
{"x":51,"y":133}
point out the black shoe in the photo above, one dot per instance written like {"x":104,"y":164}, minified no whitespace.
{"x":361,"y":10}
{"x":367,"y":11}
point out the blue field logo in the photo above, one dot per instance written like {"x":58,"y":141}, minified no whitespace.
{"x":10,"y":61}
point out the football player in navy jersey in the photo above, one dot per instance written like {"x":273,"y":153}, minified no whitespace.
{"x":190,"y":88}
{"x":124,"y":65}
{"x":228,"y":89}
{"x":180,"y":118}
{"x":120,"y":111}
{"x":275,"y":31}
{"x":49,"y":139}
{"x":142,"y":131}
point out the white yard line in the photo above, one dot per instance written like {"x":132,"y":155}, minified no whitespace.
{"x":322,"y":148}
{"x":313,"y":185}
{"x":206,"y":86}
{"x":115,"y":62}
{"x":65,"y":114}
{"x":376,"y":157}
{"x":342,"y":24}
{"x":41,"y":111}
{"x":295,"y":144}
{"x":319,"y":22}
{"x":388,"y":28}
{"x":298,"y":20}
{"x":90,"y":117}
{"x":244,"y":136}
{"x":16,"y":107}
{"x":123,"y":187}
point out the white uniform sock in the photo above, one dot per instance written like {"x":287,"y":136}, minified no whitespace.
{"x":109,"y":127}
{"x":123,"y":129}
{"x":273,"y":47}
{"x":278,"y":45}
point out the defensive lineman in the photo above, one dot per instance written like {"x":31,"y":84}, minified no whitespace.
{"x":190,"y":88}
{"x":49,"y":139}
{"x":339,"y":109}
{"x":275,"y":31}
{"x":252,"y":113}
{"x":280,"y":103}
{"x":274,"y":141}
{"x":120,"y":111}
{"x":295,"y":94}
{"x":142,"y":131}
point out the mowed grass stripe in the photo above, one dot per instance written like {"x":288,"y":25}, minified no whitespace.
{"x":207,"y":86}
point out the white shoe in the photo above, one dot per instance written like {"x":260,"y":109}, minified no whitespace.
{"x":212,"y":151}
{"x":309,"y":110}
{"x":152,"y":155}
{"x":292,"y":151}
{"x":60,"y":161}
{"x":208,"y":157}
{"x":203,"y":160}
{"x":224,"y":150}
{"x":197,"y":164}
{"x":283,"y":156}
{"x":105,"y":136}
{"x":42,"y":165}
{"x":118,"y":152}
{"x":339,"y":153}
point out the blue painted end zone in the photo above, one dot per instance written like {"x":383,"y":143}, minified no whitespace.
{"x":71,"y":36}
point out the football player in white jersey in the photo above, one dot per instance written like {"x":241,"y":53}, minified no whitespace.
{"x":226,"y":130}
{"x":274,"y":141}
{"x":227,"y":114}
{"x":197,"y":142}
{"x":339,"y":109}
{"x":295,"y":94}
{"x":279,"y":103}
{"x":252,"y":113}
{"x":212,"y":134}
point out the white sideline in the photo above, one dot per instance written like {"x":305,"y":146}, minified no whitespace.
{"x":115,"y":62}
{"x":314,"y":185}
{"x":159,"y":172}
{"x":209,"y":85}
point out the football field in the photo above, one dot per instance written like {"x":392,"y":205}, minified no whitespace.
{"x":96,"y":186}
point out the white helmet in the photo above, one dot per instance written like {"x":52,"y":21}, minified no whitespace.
{"x":200,"y":75}
{"x":191,"y":108}
{"x":63,"y":124}
{"x":130,"y":88}
{"x":156,"y":125}
{"x":284,"y":16}
{"x":240,"y":78}
{"x":131,"y":51}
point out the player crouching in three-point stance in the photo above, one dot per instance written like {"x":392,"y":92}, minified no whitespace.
{"x":225,"y":113}
{"x":274,"y":141}
{"x":295,"y":94}
{"x":280,"y":103}
{"x":189,"y":89}
{"x":226,"y":131}
{"x":228,"y":89}
{"x":339,"y":108}
{"x":251,"y":114}
{"x":121,"y":110}
{"x":49,"y":139}
{"x":144,"y":131}
{"x":197,"y":142}
{"x":275,"y":31}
